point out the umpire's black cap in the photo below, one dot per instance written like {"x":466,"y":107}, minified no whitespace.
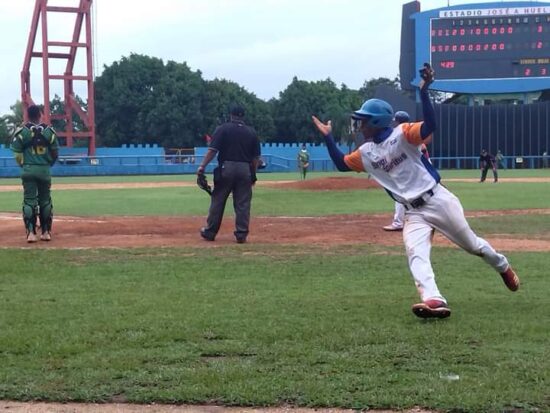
{"x":237,"y":110}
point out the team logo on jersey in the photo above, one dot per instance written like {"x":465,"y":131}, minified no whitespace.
{"x":388,"y":166}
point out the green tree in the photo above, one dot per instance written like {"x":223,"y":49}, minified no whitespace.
{"x":174,"y":117}
{"x":142,"y":100}
{"x":368,"y":90}
{"x":4,"y":131}
{"x":125,"y":97}
{"x":220,"y":94}
{"x":11,"y":121}
{"x":301,"y":99}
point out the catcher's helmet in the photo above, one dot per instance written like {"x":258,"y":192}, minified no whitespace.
{"x":401,"y":117}
{"x":378,"y":113}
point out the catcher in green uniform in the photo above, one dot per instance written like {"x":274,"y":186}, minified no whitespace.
{"x":35,"y":148}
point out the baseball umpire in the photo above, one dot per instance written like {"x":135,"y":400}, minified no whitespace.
{"x":391,"y":156}
{"x":487,"y":161}
{"x":238,"y":149}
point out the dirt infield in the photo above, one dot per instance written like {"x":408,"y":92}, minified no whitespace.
{"x":130,"y":232}
{"x":17,"y":407}
{"x":161,"y":231}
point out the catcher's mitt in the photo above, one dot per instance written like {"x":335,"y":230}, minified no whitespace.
{"x":202,"y":183}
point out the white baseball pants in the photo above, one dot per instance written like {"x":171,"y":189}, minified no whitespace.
{"x":444,"y":213}
{"x":399,"y":215}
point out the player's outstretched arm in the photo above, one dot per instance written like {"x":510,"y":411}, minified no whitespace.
{"x":429,"y":125}
{"x":336,"y":154}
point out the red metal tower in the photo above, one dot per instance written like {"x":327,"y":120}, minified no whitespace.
{"x":72,"y":107}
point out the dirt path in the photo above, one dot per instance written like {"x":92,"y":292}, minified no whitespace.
{"x":17,"y":407}
{"x":161,"y":231}
{"x":320,"y":184}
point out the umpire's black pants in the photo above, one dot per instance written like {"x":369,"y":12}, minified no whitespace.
{"x":484,"y":173}
{"x":231,"y":177}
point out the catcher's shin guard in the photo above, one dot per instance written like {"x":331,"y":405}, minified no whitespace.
{"x":29,"y":218}
{"x":46,"y":216}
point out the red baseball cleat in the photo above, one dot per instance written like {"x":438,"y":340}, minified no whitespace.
{"x":510,"y":278}
{"x":431,"y":309}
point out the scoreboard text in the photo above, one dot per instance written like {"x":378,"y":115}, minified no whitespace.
{"x":490,"y":47}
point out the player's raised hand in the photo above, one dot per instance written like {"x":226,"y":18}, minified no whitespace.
{"x":324,"y":128}
{"x":428,"y":75}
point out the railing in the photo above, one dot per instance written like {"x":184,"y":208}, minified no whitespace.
{"x":75,"y":165}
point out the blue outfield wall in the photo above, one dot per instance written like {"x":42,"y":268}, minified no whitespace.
{"x":152,"y":160}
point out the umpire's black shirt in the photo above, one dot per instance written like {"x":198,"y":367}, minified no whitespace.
{"x":236,"y":142}
{"x":488,"y":159}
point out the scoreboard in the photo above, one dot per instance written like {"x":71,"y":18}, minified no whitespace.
{"x":486,"y":48}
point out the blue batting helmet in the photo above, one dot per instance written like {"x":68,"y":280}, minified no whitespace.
{"x":378,"y":113}
{"x":401,"y":117}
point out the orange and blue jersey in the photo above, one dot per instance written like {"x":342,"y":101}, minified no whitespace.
{"x":396,"y":163}
{"x":393,"y":157}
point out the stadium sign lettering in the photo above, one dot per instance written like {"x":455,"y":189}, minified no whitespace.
{"x":508,"y":11}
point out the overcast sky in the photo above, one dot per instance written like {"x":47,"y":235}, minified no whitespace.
{"x":259,"y":44}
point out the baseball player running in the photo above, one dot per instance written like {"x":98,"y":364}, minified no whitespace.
{"x":391,"y":156}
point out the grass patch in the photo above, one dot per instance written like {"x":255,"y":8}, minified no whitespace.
{"x":502,"y":173}
{"x":277,"y":201}
{"x":504,"y":195}
{"x":534,"y":225}
{"x":269,"y":325}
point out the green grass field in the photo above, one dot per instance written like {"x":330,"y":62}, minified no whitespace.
{"x":258,"y":325}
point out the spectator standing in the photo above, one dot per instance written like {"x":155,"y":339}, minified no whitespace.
{"x":500,"y":159}
{"x":238,"y":149}
{"x":303,"y":161}
{"x":36,"y":148}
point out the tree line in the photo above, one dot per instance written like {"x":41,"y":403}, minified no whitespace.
{"x":141,"y":99}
